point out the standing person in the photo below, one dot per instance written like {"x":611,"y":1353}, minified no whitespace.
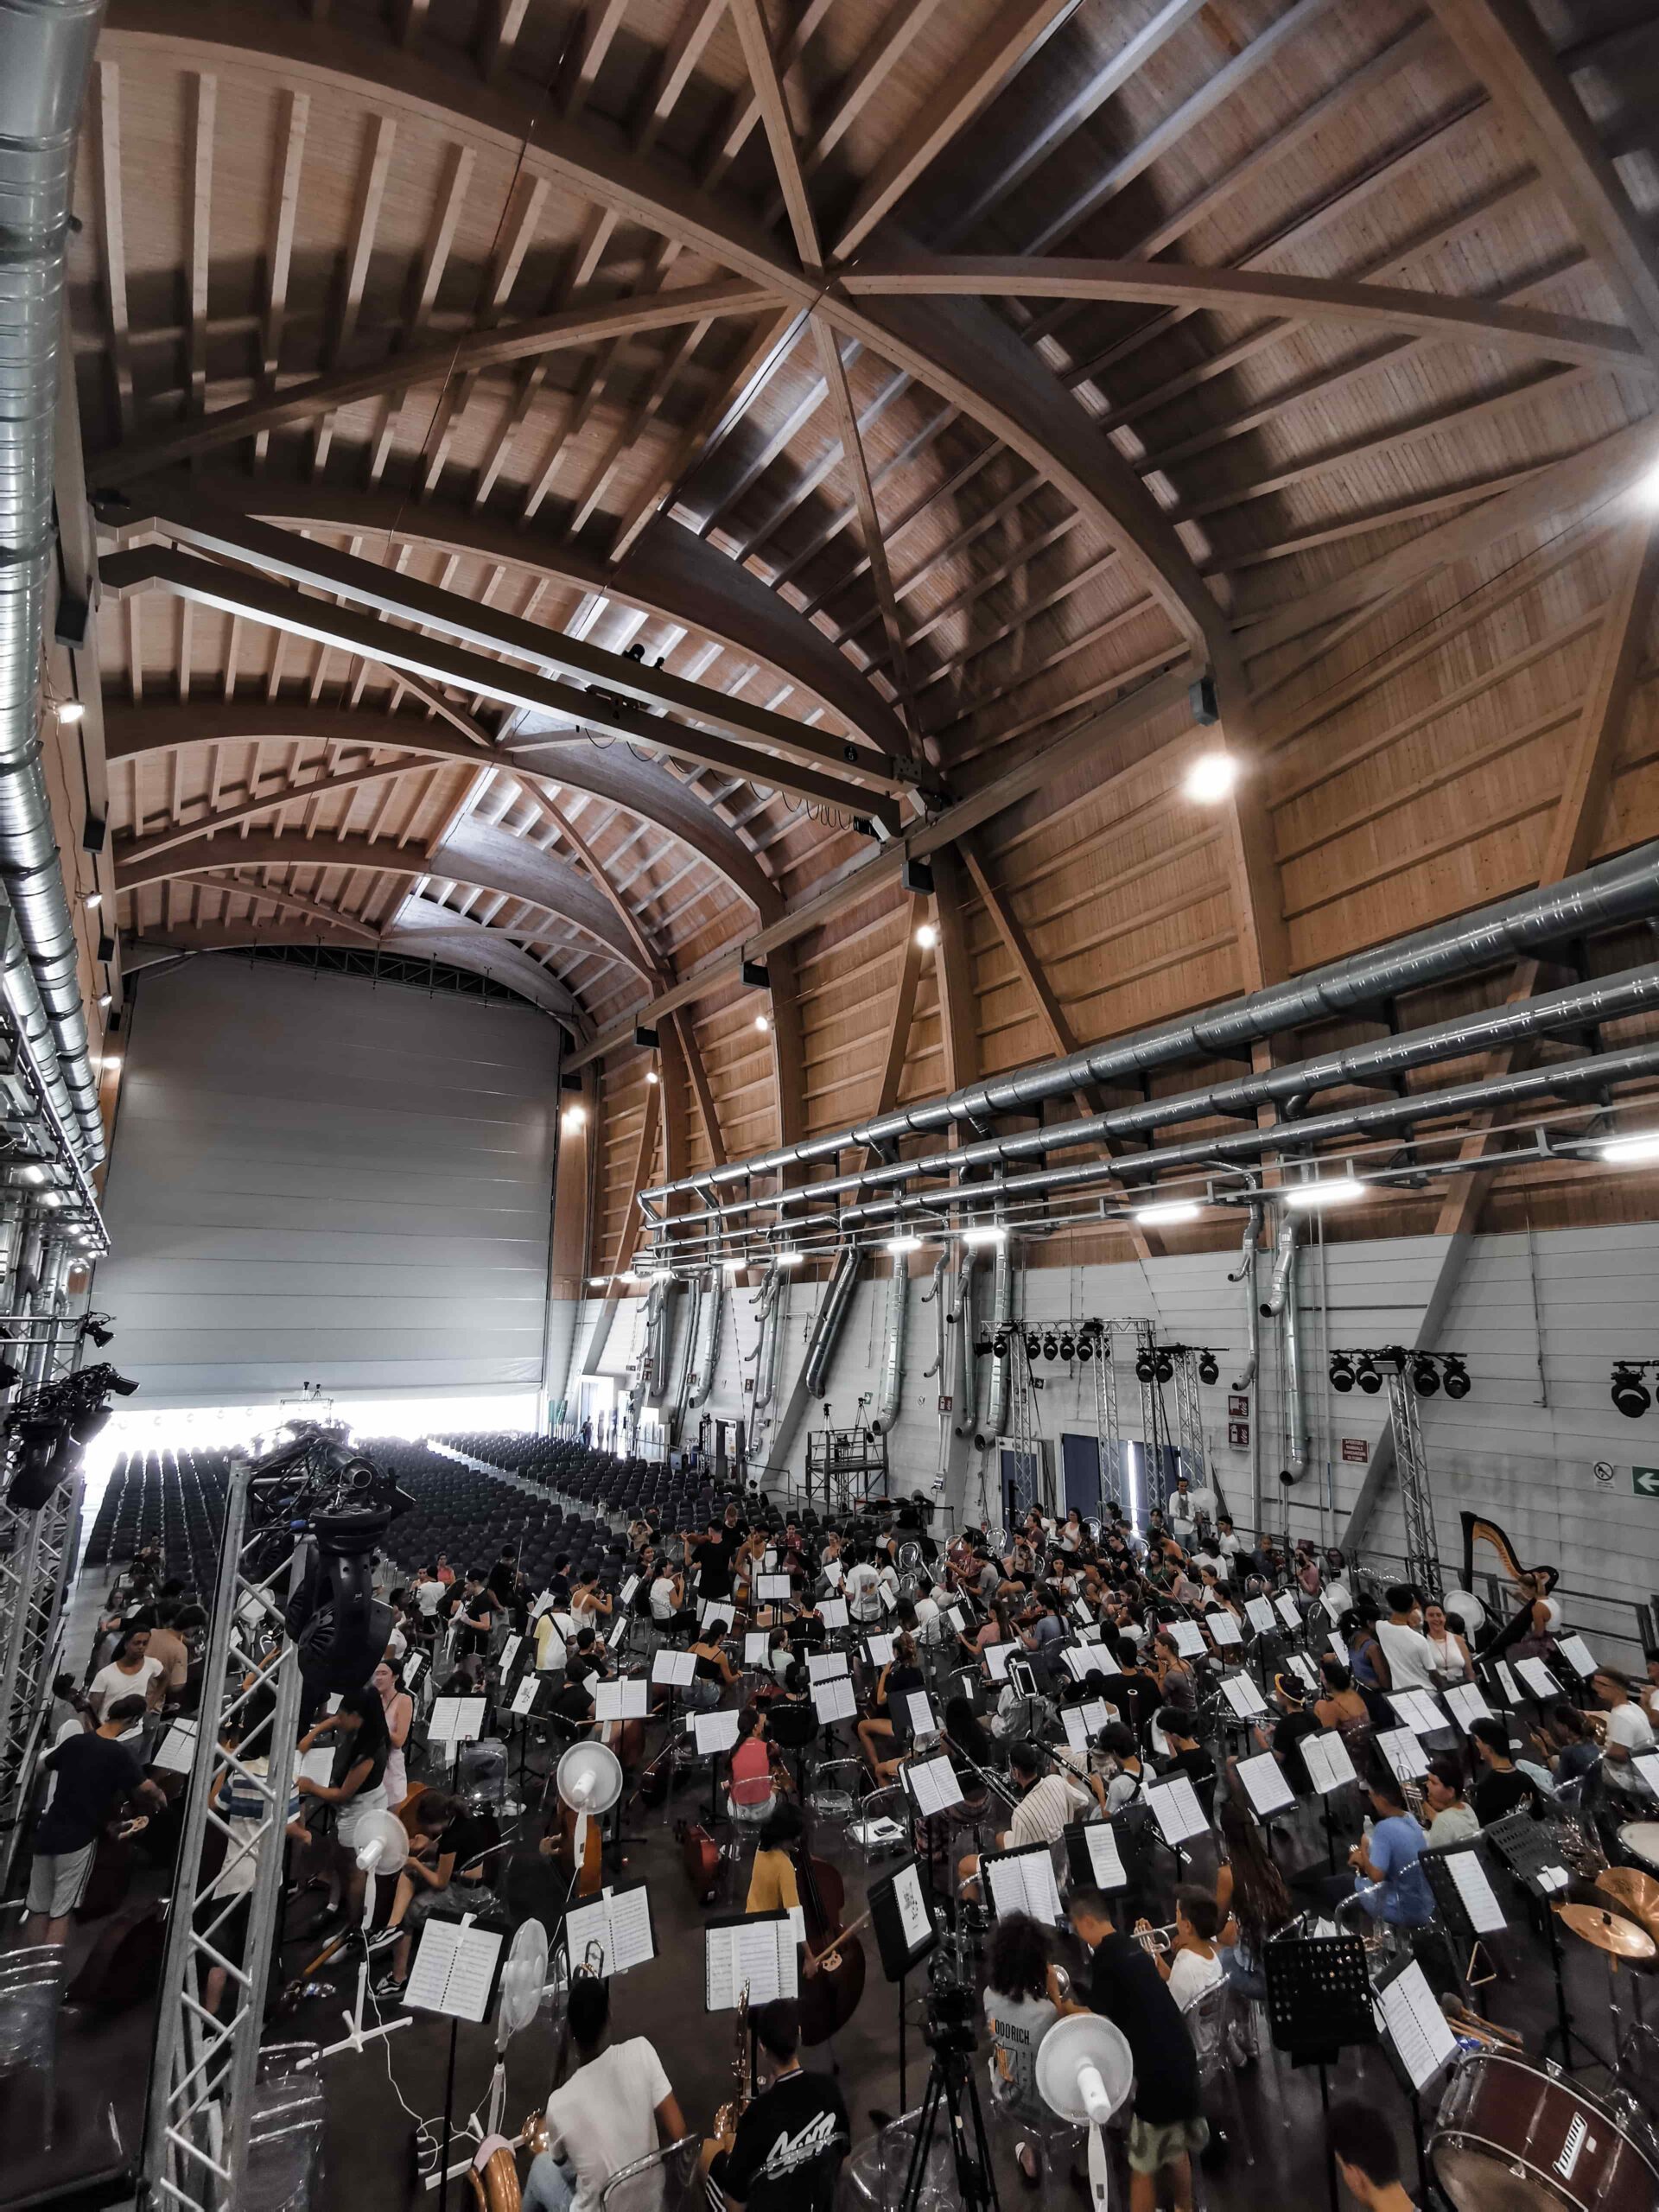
{"x":357,"y":1785}
{"x":1367,"y":2157}
{"x":170,"y":1649}
{"x":1021,"y":2006}
{"x":1443,"y":1632}
{"x":1191,"y":1964}
{"x":131,"y":1673}
{"x":476,"y":1615}
{"x":605,"y":2117}
{"x":89,"y":1775}
{"x":429,"y":1596}
{"x":1406,"y":1649}
{"x":399,"y":1708}
{"x":787,"y":2152}
{"x":1168,"y":2128}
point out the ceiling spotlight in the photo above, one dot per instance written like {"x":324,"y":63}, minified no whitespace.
{"x":1000,"y":1343}
{"x":1208,"y":1371}
{"x":1085,"y":1347}
{"x":599,"y":1282}
{"x":110,"y":1063}
{"x":788,"y":1259}
{"x":985,"y":1232}
{"x":1630,"y":1393}
{"x":902,"y":1244}
{"x":763,"y":1022}
{"x":1369,"y":1376}
{"x":982,"y":1346}
{"x":1425,"y":1378}
{"x":1632,"y":1151}
{"x":1332,"y":1190}
{"x":1145,"y":1367}
{"x":1068,"y":1348}
{"x":1164,"y":1368}
{"x":1033,"y":1347}
{"x":651,"y":1076}
{"x":96,"y":1330}
{"x":927,"y":937}
{"x":1455,"y":1377}
{"x":1210,"y":778}
{"x":105,"y":1000}
{"x":71,"y":711}
{"x":1167,"y":1210}
{"x":1051,"y":1347}
{"x":1647,"y":486}
{"x":94,"y":900}
{"x":1342,"y":1372}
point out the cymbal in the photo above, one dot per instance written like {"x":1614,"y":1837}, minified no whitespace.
{"x":1635,"y":1893}
{"x":1608,"y":1931}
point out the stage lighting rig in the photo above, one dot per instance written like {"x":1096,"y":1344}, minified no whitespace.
{"x":319,"y":1487}
{"x":46,"y":1431}
{"x":95,"y":1326}
{"x":1632,"y":1394}
{"x":1427,"y":1371}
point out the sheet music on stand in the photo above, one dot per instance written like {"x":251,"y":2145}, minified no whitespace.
{"x":457,"y":1965}
{"x":825,"y":1666}
{"x":1087,"y":1659}
{"x":1023,"y":1880}
{"x":1092,"y":1858}
{"x":757,"y":1647}
{"x":1176,"y":1808}
{"x":509,"y":1653}
{"x":1466,"y":1706}
{"x":1242,"y":1693}
{"x":918,"y":1709}
{"x":1540,"y":1683}
{"x":1286,"y":1609}
{"x":618,"y":1922}
{"x":1339,"y":1644}
{"x":1325,"y":1757}
{"x":715,"y":1732}
{"x":1302,"y":1666}
{"x":1403,"y":1750}
{"x":748,"y":1951}
{"x":933,"y":1783}
{"x":1417,"y":1710}
{"x":627,"y":1698}
{"x":832,"y":1612}
{"x":1511,"y":1687}
{"x":176,"y":1752}
{"x":1264,"y":1782}
{"x":413,"y":1662}
{"x":624,"y":1595}
{"x":905,"y":1930}
{"x":1414,"y":2029}
{"x":1083,"y":1723}
{"x":1578,"y":1655}
{"x":1261,"y":1616}
{"x":888,"y":1595}
{"x":1223,"y":1629}
{"x":772,"y":1589}
{"x":1188,"y":1638}
{"x":834,"y":1700}
{"x":716,"y":1612}
{"x":523,"y":1698}
{"x":997,"y":1657}
{"x":316,"y":1766}
{"x":676,"y":1668}
{"x":1647,"y":1766}
{"x":879,"y":1651}
{"x":1463,"y":1891}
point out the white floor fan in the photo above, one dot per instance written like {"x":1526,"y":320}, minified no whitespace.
{"x":1085,"y":2072}
{"x":382,"y":1848}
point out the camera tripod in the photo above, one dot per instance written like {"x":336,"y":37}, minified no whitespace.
{"x":950,"y":2088}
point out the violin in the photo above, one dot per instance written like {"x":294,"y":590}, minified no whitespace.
{"x":828,"y":1996}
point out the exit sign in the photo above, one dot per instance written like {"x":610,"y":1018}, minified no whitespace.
{"x":1644,"y":1481}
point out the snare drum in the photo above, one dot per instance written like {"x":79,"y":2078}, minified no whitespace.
{"x":1639,"y":1840}
{"x":1514,"y":2134}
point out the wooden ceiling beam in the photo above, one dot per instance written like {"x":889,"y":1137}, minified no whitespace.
{"x":280,"y":895}
{"x":768,"y":87}
{"x":1506,"y":52}
{"x":853,"y":459}
{"x":1552,"y":337}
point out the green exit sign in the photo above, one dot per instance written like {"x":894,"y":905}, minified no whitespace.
{"x":1645,"y":1481}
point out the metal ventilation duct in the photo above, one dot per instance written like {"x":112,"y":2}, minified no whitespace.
{"x":46,"y":58}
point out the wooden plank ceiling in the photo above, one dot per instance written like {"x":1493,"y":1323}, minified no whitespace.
{"x":1035,"y":347}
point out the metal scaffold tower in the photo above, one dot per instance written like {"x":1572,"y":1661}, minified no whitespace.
{"x":205,"y":2069}
{"x":1108,"y":1433}
{"x":1189,"y":1420}
{"x":1411,"y":1467}
{"x":1029,"y":1488}
{"x":39,"y":1556}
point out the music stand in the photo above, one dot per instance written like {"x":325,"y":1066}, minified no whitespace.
{"x":1528,"y":1849}
{"x":907,"y":1932}
{"x":1319,"y":2005}
{"x":1453,"y":1907}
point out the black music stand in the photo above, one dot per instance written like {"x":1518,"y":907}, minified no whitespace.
{"x":1426,"y":2190}
{"x":901,"y":1940}
{"x":1528,"y":1848}
{"x":1454,"y":1913}
{"x":1320,"y":2006}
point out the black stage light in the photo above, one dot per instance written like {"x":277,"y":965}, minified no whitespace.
{"x":1425,"y":1378}
{"x":1085,"y":1347}
{"x":1068,"y":1348}
{"x":96,"y":1330}
{"x":1051,"y":1349}
{"x":1456,"y":1377}
{"x":1369,"y":1376}
{"x":46,"y":1453}
{"x":981,"y":1346}
{"x":1000,"y":1343}
{"x":1033,"y":1347}
{"x":1208,"y":1371}
{"x":1630,"y":1393}
{"x":1145,"y":1367}
{"x":1342,"y":1372}
{"x":1164,"y":1368}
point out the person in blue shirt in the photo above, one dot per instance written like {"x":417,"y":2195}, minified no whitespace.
{"x":1390,"y":1883}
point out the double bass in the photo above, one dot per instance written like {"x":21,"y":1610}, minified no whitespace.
{"x":830,"y":1995}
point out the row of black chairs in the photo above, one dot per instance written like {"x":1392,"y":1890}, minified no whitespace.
{"x":172,"y":1499}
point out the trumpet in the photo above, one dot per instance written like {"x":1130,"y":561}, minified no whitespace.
{"x":1155,"y":1942}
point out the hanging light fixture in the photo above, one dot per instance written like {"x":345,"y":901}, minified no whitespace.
{"x":1145,"y":1367}
{"x":1369,"y":1375}
{"x":1425,"y":1378}
{"x":1342,"y":1372}
{"x":1164,"y":1368}
{"x":1208,"y":1371}
{"x":1630,"y":1393}
{"x":1455,"y":1376}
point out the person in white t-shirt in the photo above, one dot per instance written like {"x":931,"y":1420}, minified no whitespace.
{"x":1626,"y":1730}
{"x":429,"y":1593}
{"x":131,"y":1673}
{"x":605,"y":2116}
{"x":1191,"y":1964}
{"x":863,"y":1593}
{"x":1408,"y":1650}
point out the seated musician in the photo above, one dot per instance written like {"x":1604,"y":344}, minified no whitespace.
{"x":444,"y":1873}
{"x":773,"y":1886}
{"x":1625,"y":1731}
{"x":786,"y":2153}
{"x":1193,"y":1963}
{"x":1388,"y":1882}
{"x":1187,"y":1756}
{"x":884,"y":1733}
{"x":1501,"y":1788}
{"x":1455,"y":1821}
{"x":1048,"y":1804}
{"x":756,"y":1779}
{"x":1341,"y":1707}
{"x":612,"y":2111}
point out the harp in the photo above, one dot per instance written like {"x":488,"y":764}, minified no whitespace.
{"x":1477,"y":1528}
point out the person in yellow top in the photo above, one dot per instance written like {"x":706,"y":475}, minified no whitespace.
{"x":771,"y":1877}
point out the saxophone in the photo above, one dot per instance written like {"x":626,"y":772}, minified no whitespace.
{"x":733,"y":2110}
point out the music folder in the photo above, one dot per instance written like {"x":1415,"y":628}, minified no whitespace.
{"x":1092,"y":1858}
{"x":616,"y":1925}
{"x":457,"y":1965}
{"x":748,"y":1951}
{"x":1023,"y":1880}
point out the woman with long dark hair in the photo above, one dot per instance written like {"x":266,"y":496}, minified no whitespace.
{"x":1021,"y":2006}
{"x":1253,"y":1899}
{"x":357,"y":1784}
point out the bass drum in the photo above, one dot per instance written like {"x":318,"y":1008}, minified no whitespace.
{"x":1516,"y":2135}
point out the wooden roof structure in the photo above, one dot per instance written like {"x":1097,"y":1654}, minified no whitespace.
{"x":595,"y":487}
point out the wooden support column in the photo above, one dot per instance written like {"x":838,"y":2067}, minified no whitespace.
{"x":952,"y":970}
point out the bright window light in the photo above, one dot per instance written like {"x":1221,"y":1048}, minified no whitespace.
{"x":1630,"y":1152}
{"x":1334,"y":1190}
{"x":1168,"y":1209}
{"x":1211,"y":776}
{"x":899,"y":1244}
{"x":927,"y":937}
{"x":985,"y":1232}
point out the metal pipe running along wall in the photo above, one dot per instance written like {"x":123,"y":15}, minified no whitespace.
{"x":46,"y":59}
{"x":1616,"y":891}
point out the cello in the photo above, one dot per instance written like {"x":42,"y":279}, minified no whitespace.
{"x":830,"y":1994}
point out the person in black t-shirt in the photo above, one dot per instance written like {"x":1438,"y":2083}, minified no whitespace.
{"x":1501,"y":1788}
{"x":445,"y":1872}
{"x":713,"y":1560}
{"x":89,"y":1775}
{"x":476,"y":1615}
{"x":1297,"y":1722}
{"x":1188,"y":1757}
{"x":789,"y":2145}
{"x":503,"y":1574}
{"x":1168,"y":2128}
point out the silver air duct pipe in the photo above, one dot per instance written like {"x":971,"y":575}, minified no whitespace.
{"x":1579,"y":1006}
{"x":967,"y":1368}
{"x":1596,"y":1071}
{"x":996,"y":1407}
{"x":46,"y":58}
{"x":1245,"y":1272}
{"x":891,"y":1402}
{"x":686,"y":1340}
{"x":773,"y":1303}
{"x":934,"y":1296}
{"x":1617,"y":890}
{"x":653,"y":1373}
{"x":826,"y":1328}
{"x":704,"y":1355}
{"x":1280,"y":1304}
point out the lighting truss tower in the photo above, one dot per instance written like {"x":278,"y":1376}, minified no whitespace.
{"x":205,"y":2069}
{"x":1189,"y":1420}
{"x":39,"y":1556}
{"x":1109,"y":1428}
{"x":1411,"y":1466}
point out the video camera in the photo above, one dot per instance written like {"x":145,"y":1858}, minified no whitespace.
{"x":318,"y":1486}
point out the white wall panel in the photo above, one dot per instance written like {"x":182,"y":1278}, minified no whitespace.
{"x":314,"y":1178}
